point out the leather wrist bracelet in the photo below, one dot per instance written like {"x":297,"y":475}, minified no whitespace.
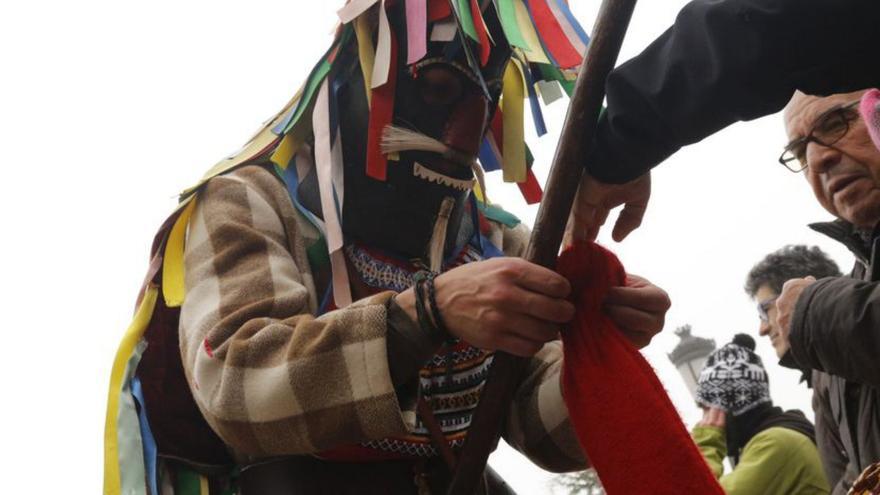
{"x":422,"y":312}
{"x":432,"y":303}
{"x":426,"y":300}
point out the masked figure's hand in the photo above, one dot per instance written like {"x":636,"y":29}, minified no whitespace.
{"x":505,"y":304}
{"x":638,"y":308}
{"x":595,"y":199}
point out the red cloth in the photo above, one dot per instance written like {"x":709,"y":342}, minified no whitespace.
{"x":623,"y":418}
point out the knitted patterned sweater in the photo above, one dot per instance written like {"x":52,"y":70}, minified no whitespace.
{"x":272,"y":379}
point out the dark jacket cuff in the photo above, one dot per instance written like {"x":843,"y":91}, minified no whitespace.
{"x":801,"y":337}
{"x":614,"y":159}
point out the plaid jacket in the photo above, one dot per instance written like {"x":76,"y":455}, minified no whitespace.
{"x":272,"y":379}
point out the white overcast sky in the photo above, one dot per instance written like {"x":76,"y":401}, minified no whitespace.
{"x":109,"y":108}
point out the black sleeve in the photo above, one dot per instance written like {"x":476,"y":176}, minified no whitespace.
{"x":831,"y":449}
{"x":729,"y":60}
{"x":836,"y":329}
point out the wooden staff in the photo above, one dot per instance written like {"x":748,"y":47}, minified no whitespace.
{"x":577,"y":135}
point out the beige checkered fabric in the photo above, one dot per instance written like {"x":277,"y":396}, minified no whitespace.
{"x":272,"y":379}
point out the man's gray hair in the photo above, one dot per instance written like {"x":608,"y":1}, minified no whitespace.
{"x":792,"y":261}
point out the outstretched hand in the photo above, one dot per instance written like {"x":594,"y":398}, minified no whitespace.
{"x":595,"y":199}
{"x":638,"y":308}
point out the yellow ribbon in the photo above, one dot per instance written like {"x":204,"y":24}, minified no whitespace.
{"x":290,"y":144}
{"x":173,"y":287}
{"x":112,"y":477}
{"x":514,"y":152}
{"x":535,"y":52}
{"x":478,"y":192}
{"x":366,"y":52}
{"x":203,"y":486}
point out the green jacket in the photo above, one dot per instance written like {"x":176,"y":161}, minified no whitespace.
{"x":776,"y":461}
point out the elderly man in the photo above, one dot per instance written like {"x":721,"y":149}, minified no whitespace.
{"x":833,"y":325}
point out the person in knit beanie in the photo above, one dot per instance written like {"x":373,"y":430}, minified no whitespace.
{"x":772,"y":451}
{"x":734,"y":378}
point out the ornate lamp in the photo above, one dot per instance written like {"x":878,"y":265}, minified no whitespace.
{"x":690,"y":355}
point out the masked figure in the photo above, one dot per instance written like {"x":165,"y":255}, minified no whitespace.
{"x":270,"y":352}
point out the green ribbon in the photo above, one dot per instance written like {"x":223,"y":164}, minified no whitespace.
{"x":507,"y":12}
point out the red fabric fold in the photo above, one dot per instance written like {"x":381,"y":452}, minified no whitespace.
{"x":623,"y":417}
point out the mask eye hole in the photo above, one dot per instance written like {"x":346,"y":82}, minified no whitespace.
{"x":439,"y":85}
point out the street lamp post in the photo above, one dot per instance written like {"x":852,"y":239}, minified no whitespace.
{"x":690,"y":355}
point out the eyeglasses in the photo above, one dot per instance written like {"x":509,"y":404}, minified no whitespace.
{"x":828,"y":129}
{"x":765,"y":306}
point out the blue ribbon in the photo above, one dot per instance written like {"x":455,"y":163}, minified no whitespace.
{"x":150,"y":449}
{"x":488,"y":158}
{"x":563,"y":6}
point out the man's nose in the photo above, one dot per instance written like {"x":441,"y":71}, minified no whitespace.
{"x":821,"y":158}
{"x":764,"y":328}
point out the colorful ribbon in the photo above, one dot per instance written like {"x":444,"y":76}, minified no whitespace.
{"x":173,"y":286}
{"x":416,"y":30}
{"x":121,"y":457}
{"x":381,"y":114}
{"x":514,"y":163}
{"x":324,"y":165}
{"x":552,"y":35}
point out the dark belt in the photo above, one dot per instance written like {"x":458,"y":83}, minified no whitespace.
{"x":304,"y":475}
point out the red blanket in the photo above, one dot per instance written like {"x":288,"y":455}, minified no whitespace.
{"x":624,"y":420}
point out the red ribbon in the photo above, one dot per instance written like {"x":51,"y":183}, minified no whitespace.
{"x":381,"y":115}
{"x":531,"y":189}
{"x":480,"y":26}
{"x":438,"y":10}
{"x":553,"y":36}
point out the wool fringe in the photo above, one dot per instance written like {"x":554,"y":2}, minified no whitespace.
{"x":397,"y":139}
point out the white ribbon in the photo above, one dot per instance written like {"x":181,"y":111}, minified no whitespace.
{"x":353,"y":9}
{"x":383,"y":49}
{"x":324,"y":166}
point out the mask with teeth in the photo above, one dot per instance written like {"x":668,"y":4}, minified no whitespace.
{"x":441,"y":111}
